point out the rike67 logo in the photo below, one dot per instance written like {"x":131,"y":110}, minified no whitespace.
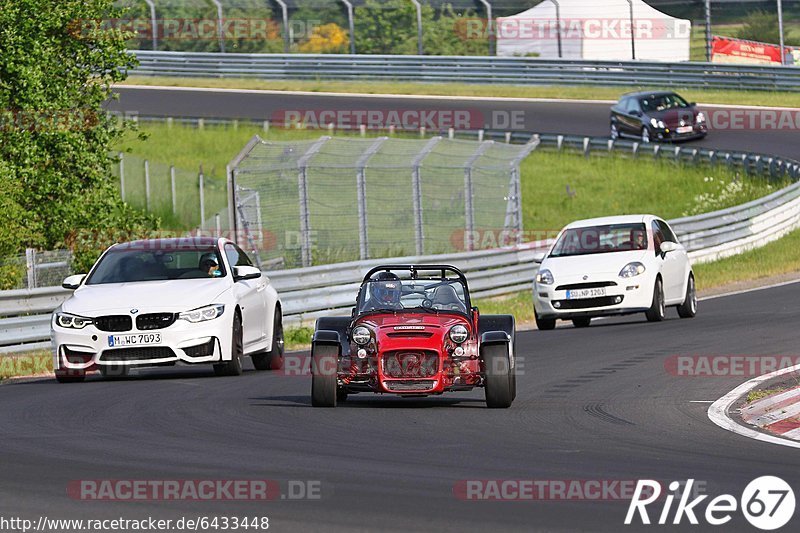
{"x":767,"y":503}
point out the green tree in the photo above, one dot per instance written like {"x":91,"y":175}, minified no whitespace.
{"x":56,"y":70}
{"x":763,"y":26}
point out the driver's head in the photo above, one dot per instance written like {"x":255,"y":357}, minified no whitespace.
{"x":386,"y":288}
{"x":639,"y":238}
{"x":209,"y":263}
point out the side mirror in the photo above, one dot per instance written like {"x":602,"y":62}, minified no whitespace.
{"x":538,"y":257}
{"x":693,"y":104}
{"x":242,"y":273}
{"x":636,"y":113}
{"x":668,"y":246}
{"x":73,"y":282}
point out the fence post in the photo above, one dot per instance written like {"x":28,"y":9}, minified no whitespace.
{"x":218,"y":226}
{"x":122,"y":175}
{"x":172,"y":188}
{"x":201,"y":179}
{"x":513,"y":221}
{"x":361,"y":187}
{"x":416,"y":187}
{"x":469,"y":209}
{"x":302,"y":186}
{"x":30,"y":264}
{"x":147,"y":184}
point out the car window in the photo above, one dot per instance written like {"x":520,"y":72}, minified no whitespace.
{"x":601,"y":239}
{"x":236,"y":257}
{"x":658,"y":237}
{"x":632,"y":105}
{"x":143,"y":263}
{"x":663,"y":102}
{"x":669,"y":235}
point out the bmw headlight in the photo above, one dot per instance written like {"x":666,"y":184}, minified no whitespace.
{"x":361,"y":335}
{"x":209,"y":312}
{"x":66,"y":320}
{"x":631,"y":270}
{"x":657,"y":123}
{"x":545,"y":277}
{"x":458,"y":334}
{"x":701,"y":117}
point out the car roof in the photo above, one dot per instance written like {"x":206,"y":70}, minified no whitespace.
{"x":647,"y":93}
{"x":605,"y":221}
{"x":169,"y":243}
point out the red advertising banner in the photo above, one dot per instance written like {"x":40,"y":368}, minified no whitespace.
{"x":730,"y":50}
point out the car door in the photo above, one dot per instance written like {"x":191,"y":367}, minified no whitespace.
{"x":681,"y":260}
{"x":250,"y":295}
{"x":633,"y":117}
{"x":670,"y":263}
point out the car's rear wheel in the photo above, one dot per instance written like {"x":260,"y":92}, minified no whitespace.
{"x":324,"y":366}
{"x":544,"y":323}
{"x":234,"y":366}
{"x":645,"y":135}
{"x":68,"y":375}
{"x":114,"y":371}
{"x":688,"y":309}
{"x":498,"y":382}
{"x":657,"y":311}
{"x":273,"y":359}
{"x":614,"y":131}
{"x":582,"y":322}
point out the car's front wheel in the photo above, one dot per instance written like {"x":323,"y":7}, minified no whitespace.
{"x":68,"y":375}
{"x":657,"y":312}
{"x":498,"y":385}
{"x":234,"y":366}
{"x":324,"y":369}
{"x":544,"y":323}
{"x":688,"y":309}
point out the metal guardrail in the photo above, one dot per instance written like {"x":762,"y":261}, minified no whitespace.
{"x":474,"y":69}
{"x":308,"y":293}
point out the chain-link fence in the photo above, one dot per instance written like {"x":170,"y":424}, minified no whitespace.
{"x":35,"y":269}
{"x":305,"y":203}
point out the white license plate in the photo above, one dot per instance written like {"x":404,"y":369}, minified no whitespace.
{"x":582,"y":294}
{"x":135,"y":339}
{"x":685,"y":129}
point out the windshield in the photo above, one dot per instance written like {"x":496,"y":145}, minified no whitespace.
{"x":601,"y":239}
{"x":435,"y":293}
{"x":663,"y":102}
{"x":135,"y":264}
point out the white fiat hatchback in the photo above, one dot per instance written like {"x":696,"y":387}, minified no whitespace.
{"x":613,"y":266}
{"x":166,"y":301}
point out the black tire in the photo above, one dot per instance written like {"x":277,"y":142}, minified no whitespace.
{"x":544,"y":324}
{"x":70,"y":376}
{"x":688,"y":309}
{"x":114,"y":371}
{"x":514,"y":369}
{"x":324,"y":365}
{"x":646,"y":138}
{"x":657,"y":311}
{"x":614,"y":131}
{"x":234,"y":366}
{"x":582,"y":322}
{"x":498,"y":384}
{"x":273,"y":359}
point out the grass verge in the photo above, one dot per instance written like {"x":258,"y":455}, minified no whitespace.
{"x":758,"y":98}
{"x":25,"y":364}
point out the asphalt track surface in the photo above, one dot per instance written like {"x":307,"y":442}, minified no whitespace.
{"x":592,"y":404}
{"x":590,"y":119}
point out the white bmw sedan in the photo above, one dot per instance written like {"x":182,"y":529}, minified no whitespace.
{"x":194,"y":300}
{"x":613,"y":266}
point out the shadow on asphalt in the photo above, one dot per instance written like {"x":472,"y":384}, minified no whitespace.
{"x":369,"y":401}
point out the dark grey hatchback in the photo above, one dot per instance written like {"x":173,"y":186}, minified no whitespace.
{"x":657,"y":117}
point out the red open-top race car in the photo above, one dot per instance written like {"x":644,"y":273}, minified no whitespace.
{"x":413,"y":332}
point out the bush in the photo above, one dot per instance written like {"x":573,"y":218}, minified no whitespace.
{"x":762,"y":26}
{"x":326,"y":39}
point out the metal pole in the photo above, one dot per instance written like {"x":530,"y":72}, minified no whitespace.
{"x":489,"y":26}
{"x":218,"y":225}
{"x":351,"y":24}
{"x":153,"y":22}
{"x":780,"y":30}
{"x":416,"y":3}
{"x":232,"y":204}
{"x":285,"y":12}
{"x":416,"y":187}
{"x":709,"y":37}
{"x":514,"y":206}
{"x":122,"y":175}
{"x":361,"y":187}
{"x":220,"y":33}
{"x":302,"y":185}
{"x":30,"y":263}
{"x":469,"y":210}
{"x":147,"y":184}
{"x":172,"y":188}
{"x":200,"y":179}
{"x":633,"y":35}
{"x":558,"y":28}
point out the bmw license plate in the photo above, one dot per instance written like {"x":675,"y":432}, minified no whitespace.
{"x":137,"y":339}
{"x":685,"y":129}
{"x":582,"y":294}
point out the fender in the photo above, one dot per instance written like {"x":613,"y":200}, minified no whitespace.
{"x":333,"y":330}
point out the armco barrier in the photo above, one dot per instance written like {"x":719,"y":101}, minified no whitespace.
{"x":330,"y":289}
{"x":472,"y":69}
